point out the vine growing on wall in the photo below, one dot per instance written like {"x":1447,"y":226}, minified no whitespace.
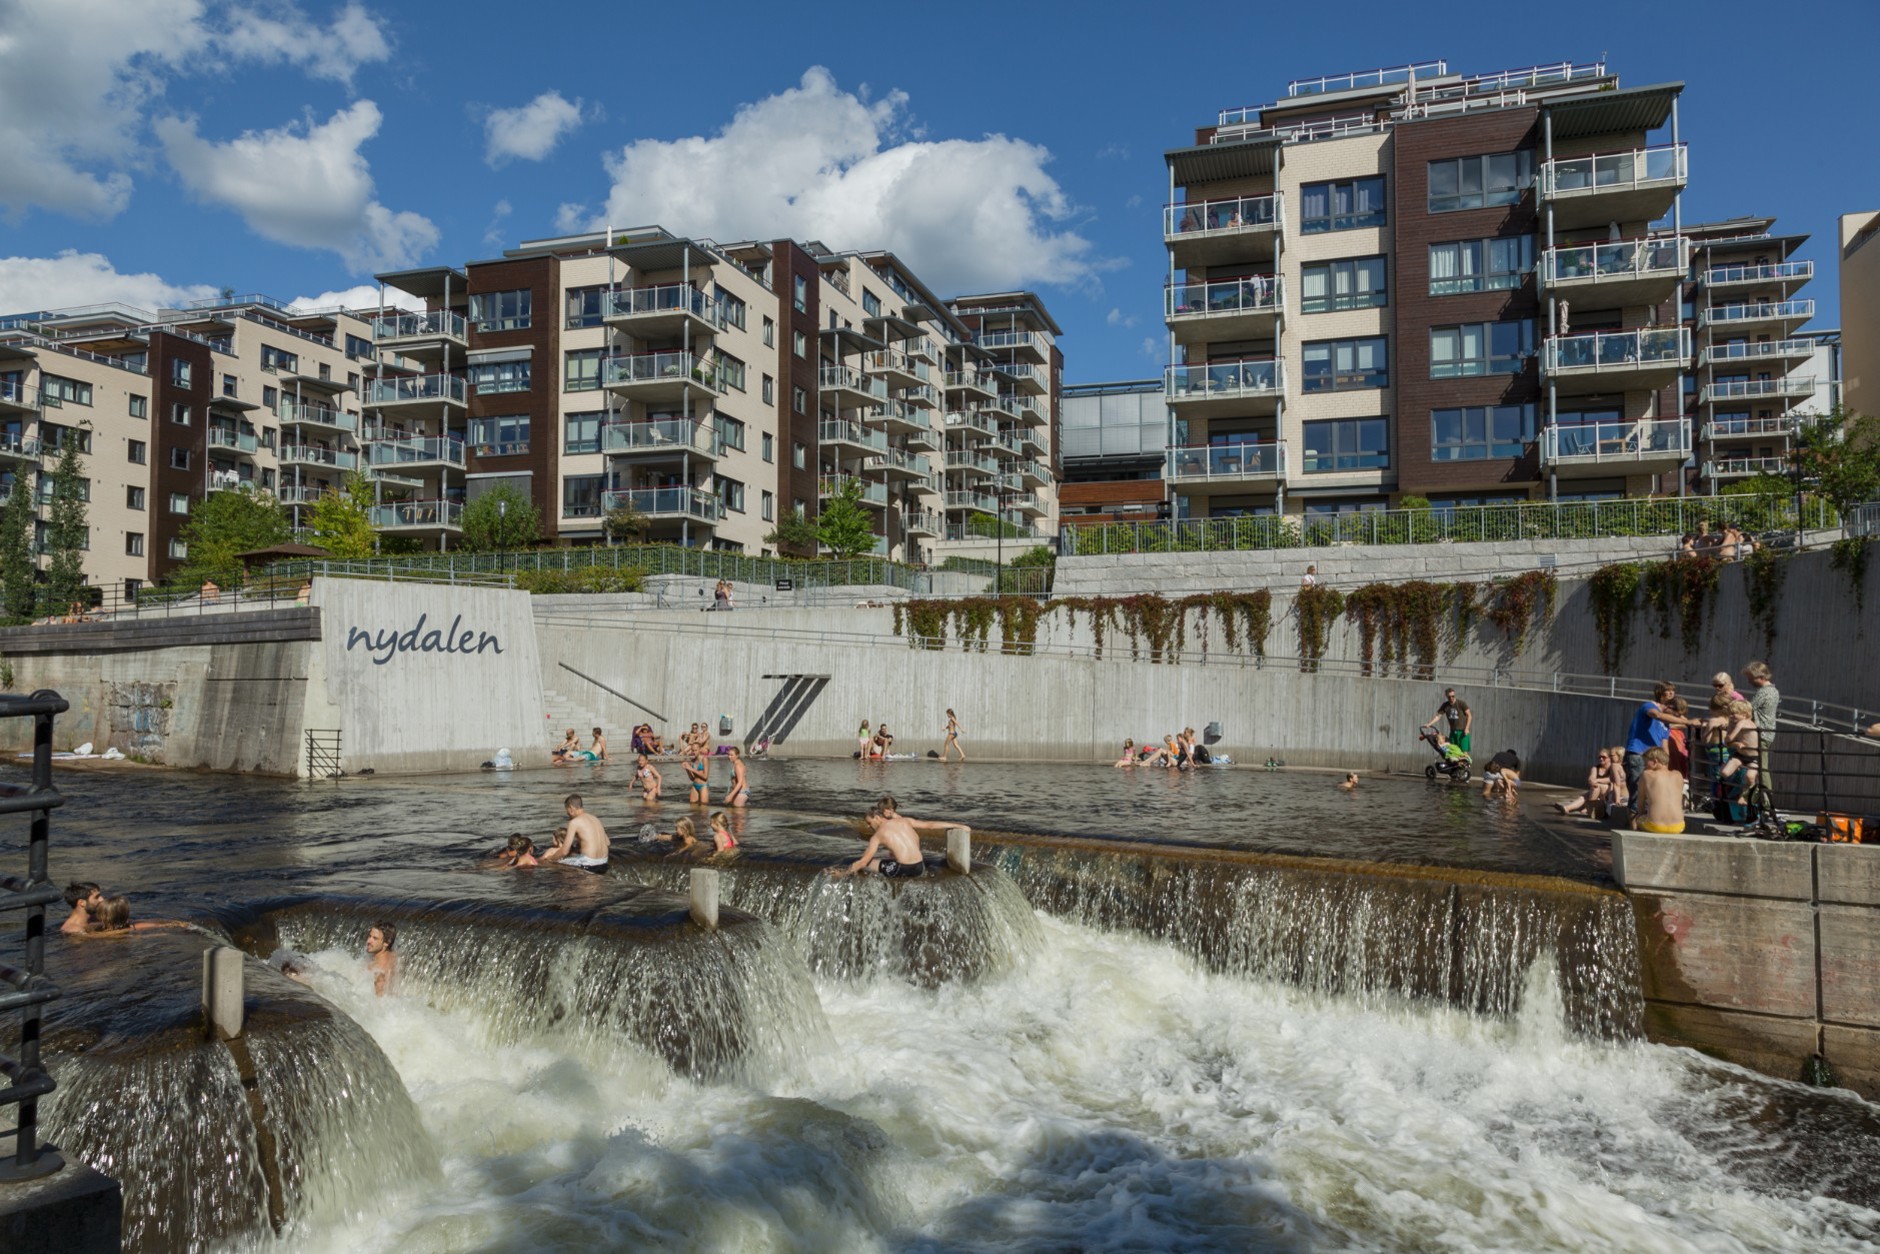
{"x":1514,"y":604}
{"x":1153,"y":624}
{"x":1684,"y":589}
{"x":1611,"y":590}
{"x":1763,"y":572}
{"x":1403,"y":624}
{"x":1316,"y":607}
{"x":1849,"y":556}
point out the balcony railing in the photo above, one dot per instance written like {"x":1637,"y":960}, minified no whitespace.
{"x":1647,"y":439}
{"x":15,"y":444}
{"x":310,"y":454}
{"x":985,"y":502}
{"x":423,"y":387}
{"x":1192,"y":219}
{"x":688,"y":503}
{"x":664,"y":435}
{"x":998,"y":340}
{"x":1253,"y":295}
{"x":1624,"y":259}
{"x":885,"y":360}
{"x":1760,"y":311}
{"x":973,"y":419}
{"x":438,"y":324}
{"x":1662,"y":166}
{"x":18,"y":395}
{"x":1244,"y":460}
{"x":848,"y":378}
{"x":851,"y":433}
{"x":1759,"y":350}
{"x":1737,"y":467}
{"x":441,"y":514}
{"x":1778,"y":272}
{"x":445,"y":450}
{"x":659,"y":368}
{"x":1226,"y":379}
{"x":973,"y":379}
{"x":664,"y":298}
{"x":1757,"y":389}
{"x":960,"y":459}
{"x":236,"y":440}
{"x":1617,"y":350}
{"x":873,"y":492}
{"x":1738,"y":427}
{"x":922,"y":522}
{"x":318,"y":415}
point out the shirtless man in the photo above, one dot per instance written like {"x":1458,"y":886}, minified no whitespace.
{"x":1351,"y":782}
{"x":566,"y":751}
{"x":930,"y":827}
{"x":380,"y":960}
{"x":649,"y":778}
{"x":583,"y":842}
{"x":902,"y":860}
{"x":84,"y":899}
{"x":1660,"y":796}
{"x":740,"y":794}
{"x":1503,"y":774}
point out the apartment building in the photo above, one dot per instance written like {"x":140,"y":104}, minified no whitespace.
{"x":1113,"y":449}
{"x":1017,"y":428}
{"x":1860,"y":310}
{"x":1468,"y":288}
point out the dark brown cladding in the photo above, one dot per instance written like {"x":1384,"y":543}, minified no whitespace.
{"x":1415,"y":311}
{"x":541,"y":277}
{"x":169,"y":437}
{"x":794,"y":372}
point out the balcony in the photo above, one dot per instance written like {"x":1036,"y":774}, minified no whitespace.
{"x":1034,"y":444}
{"x":924,"y":440}
{"x":874,"y":493}
{"x":662,"y":438}
{"x":925,"y":396}
{"x":1217,"y":232}
{"x":1796,"y":387}
{"x":1027,"y":346}
{"x":972,"y":419}
{"x":1780,"y":315}
{"x":683,"y":504}
{"x":666,"y":309}
{"x":1007,"y":445}
{"x":425,"y":336}
{"x":423,"y":389}
{"x":897,"y":465}
{"x":418,"y":516}
{"x":922,"y":522}
{"x":1234,"y":387}
{"x":1599,"y":450}
{"x":1001,"y":408}
{"x":1636,"y":186}
{"x":972,"y":383}
{"x":981,"y":502}
{"x":921,"y":348}
{"x":897,"y":418}
{"x":1026,"y":378}
{"x":661,"y":378}
{"x":246,"y":445}
{"x":1228,"y":309}
{"x":1784,"y":276}
{"x":1029,"y":503}
{"x":1648,"y":358}
{"x":1742,"y":428}
{"x":1032,"y":475}
{"x":296,"y":415}
{"x":226,"y":480}
{"x":1744,"y":467}
{"x":850,"y":388}
{"x":416,"y":454}
{"x":897,"y":369}
{"x":15,"y":446}
{"x":1242,"y":466}
{"x":302,"y":494}
{"x":966,"y":462}
{"x":313,"y":455}
{"x":851,"y":438}
{"x":1756,"y":352}
{"x":18,"y":398}
{"x":1626,"y":272}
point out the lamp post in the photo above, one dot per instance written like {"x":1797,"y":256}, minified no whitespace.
{"x":502,"y":529}
{"x":998,"y":529}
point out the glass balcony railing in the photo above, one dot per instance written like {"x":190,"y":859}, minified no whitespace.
{"x":922,"y":522}
{"x":1758,"y":350}
{"x":423,"y":387}
{"x":676,"y":502}
{"x":1757,"y":389}
{"x":18,"y":444}
{"x":1662,"y":166}
{"x":1225,"y":379}
{"x":960,"y":459}
{"x":1239,"y":460}
{"x":664,"y":298}
{"x":848,"y":378}
{"x":873,"y":492}
{"x":1758,"y":311}
{"x":18,"y":395}
{"x":973,"y":379}
{"x":1258,"y":293}
{"x":884,"y":360}
{"x":1780,"y":272}
{"x":851,"y":433}
{"x":318,"y":415}
{"x":972,"y":419}
{"x":412,"y":452}
{"x":1003,"y":340}
{"x":1618,"y":350}
{"x":418,"y":514}
{"x":438,"y":324}
{"x":1740,"y":467}
{"x":984,"y":502}
{"x":1662,"y":439}
{"x":665,"y":435}
{"x":313,"y":455}
{"x":1738,"y":426}
{"x":1623,"y":259}
{"x":235,"y":440}
{"x":1206,"y":217}
{"x":673,"y":367}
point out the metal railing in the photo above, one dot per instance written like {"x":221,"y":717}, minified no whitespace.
{"x":675,"y":367}
{"x":1665,"y":165}
{"x":418,"y":514}
{"x":1225,"y":379}
{"x":1198,"y":218}
{"x":1758,"y":311}
{"x":314,"y":455}
{"x":1256,"y":294}
{"x":1247,"y":459}
{"x":665,"y":298}
{"x":21,"y":394}
{"x":318,"y":415}
{"x":1643,"y":440}
{"x":424,"y":387}
{"x":1751,"y":389}
{"x":1617,"y":350}
{"x":662,"y":435}
{"x":851,"y":433}
{"x":652,"y":559}
{"x":1667,"y":257}
{"x":445,"y":450}
{"x":1385,"y":77}
{"x":27,"y":988}
{"x":1732,"y":467}
{"x":438,"y":324}
{"x":1781,"y":271}
{"x":873,"y":492}
{"x":692,"y":503}
{"x":1756,"y":350}
{"x":1724,"y":428}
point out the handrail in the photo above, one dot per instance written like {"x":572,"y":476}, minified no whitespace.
{"x":614,"y":691}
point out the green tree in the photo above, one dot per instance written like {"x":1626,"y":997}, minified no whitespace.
{"x":341,"y":520}
{"x":624,"y":525}
{"x":1838,"y":457}
{"x":844,"y":525}
{"x":795,"y":532}
{"x":19,"y":567}
{"x":991,"y":528}
{"x":67,"y":529}
{"x":502,"y":518}
{"x":224,"y":524}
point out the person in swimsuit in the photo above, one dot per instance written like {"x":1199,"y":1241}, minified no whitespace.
{"x":597,"y":751}
{"x":380,"y":960}
{"x":1129,"y":754}
{"x":864,"y":741}
{"x":1660,"y":795}
{"x":519,"y":852}
{"x":569,"y":747}
{"x":698,"y":778}
{"x":1744,"y":744}
{"x":722,"y":839}
{"x":649,"y":778}
{"x":884,"y":743}
{"x":953,"y":737}
{"x":902,"y":859}
{"x":1351,"y":782}
{"x":583,"y":843}
{"x":84,"y":899}
{"x":740,"y":794}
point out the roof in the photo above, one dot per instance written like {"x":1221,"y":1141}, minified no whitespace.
{"x":664,"y":254}
{"x":1620,"y":109}
{"x":427,"y":282}
{"x":1208,"y":163}
{"x":1005,"y":302}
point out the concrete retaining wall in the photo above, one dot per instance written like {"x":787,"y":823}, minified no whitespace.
{"x":1763,"y":954}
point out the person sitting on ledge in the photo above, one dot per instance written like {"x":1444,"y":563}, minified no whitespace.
{"x":1598,"y":789}
{"x":1660,"y":795}
{"x":1129,"y":754}
{"x":583,"y":843}
{"x":902,"y":859}
{"x":83,"y":897}
{"x":565,"y":752}
{"x":597,"y":751}
{"x":722,"y":839}
{"x":930,"y":827}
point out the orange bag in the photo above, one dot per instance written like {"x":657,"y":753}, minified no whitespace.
{"x":1843,"y":829}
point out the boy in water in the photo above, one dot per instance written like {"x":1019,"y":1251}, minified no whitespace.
{"x":583,"y":843}
{"x":902,"y":860}
{"x":380,"y":960}
{"x":1351,"y":782}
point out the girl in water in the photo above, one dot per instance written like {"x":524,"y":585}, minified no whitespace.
{"x":648,"y":777}
{"x":722,"y":839}
{"x":953,"y":737}
{"x":740,"y":794}
{"x":863,"y":740}
{"x":1129,"y":754}
{"x":698,"y":778}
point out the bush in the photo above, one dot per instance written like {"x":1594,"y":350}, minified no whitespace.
{"x":585,"y":579}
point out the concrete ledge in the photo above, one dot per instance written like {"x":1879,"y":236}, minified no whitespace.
{"x":1774,"y":1046}
{"x":1849,"y":874}
{"x":118,"y":635}
{"x":1854,"y":1053}
{"x":1733,"y":953}
{"x":74,"y":1210}
{"x":1850,"y":965}
{"x":1713,"y":864}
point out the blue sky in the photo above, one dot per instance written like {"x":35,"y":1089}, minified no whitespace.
{"x":151,"y":150}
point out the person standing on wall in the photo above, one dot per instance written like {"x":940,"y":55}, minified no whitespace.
{"x":1651,"y":727}
{"x":1461,"y":719}
{"x":1764,"y":704}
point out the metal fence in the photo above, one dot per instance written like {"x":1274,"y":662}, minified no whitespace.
{"x":653,"y":559}
{"x":1532,"y":520}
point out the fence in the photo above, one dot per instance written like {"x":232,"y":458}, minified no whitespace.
{"x":653,"y":559}
{"x":1537,"y":520}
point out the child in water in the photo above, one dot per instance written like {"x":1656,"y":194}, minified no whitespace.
{"x":683,"y":837}
{"x":722,"y":839}
{"x":1351,"y":782}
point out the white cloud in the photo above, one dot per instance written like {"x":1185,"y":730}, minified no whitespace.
{"x":73,"y":278}
{"x":816,"y":162}
{"x":365,"y":296}
{"x":493,"y":233}
{"x":1117,"y":318}
{"x":304,"y":184}
{"x":530,"y":132}
{"x":282,"y":33}
{"x":1152,"y":348}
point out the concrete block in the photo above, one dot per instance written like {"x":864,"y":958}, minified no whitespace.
{"x":75,"y":1210}
{"x":704,"y":886}
{"x":1727,"y":952}
{"x":1848,"y":874}
{"x":1850,"y":965}
{"x":1773,"y":1046}
{"x":960,"y":850}
{"x":1854,"y":1053}
{"x":1712,"y":864}
{"x":222,"y":990}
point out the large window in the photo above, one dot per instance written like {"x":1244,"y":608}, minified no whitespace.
{"x":584,"y":306}
{"x":1479,"y":432}
{"x":1478,"y":348}
{"x":1478,"y":182}
{"x":730,"y":370}
{"x":730,"y":432}
{"x":500,"y":376}
{"x":1344,"y":365}
{"x":731,"y":492}
{"x":64,"y":391}
{"x":871,"y":304}
{"x":181,"y":373}
{"x":732,"y":306}
{"x":1346,"y":444}
{"x":56,"y":436}
{"x":501,"y":311}
{"x":279,"y":360}
{"x":582,"y":371}
{"x":1355,"y":283}
{"x":500,"y":437}
{"x":799,"y":289}
{"x":583,"y":432}
{"x":581,"y":496}
{"x":139,"y":407}
{"x":358,"y":348}
{"x":1480,"y":265}
{"x":1342,"y":206}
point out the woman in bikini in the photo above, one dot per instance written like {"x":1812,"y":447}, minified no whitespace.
{"x":698,"y":778}
{"x":648,"y":777}
{"x":953,"y":737}
{"x":722,"y":839}
{"x":740,"y":794}
{"x":1129,"y":754}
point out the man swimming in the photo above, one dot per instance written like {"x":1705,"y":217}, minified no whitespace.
{"x":84,"y":898}
{"x":1351,"y":782}
{"x":583,"y":843}
{"x":902,"y":859}
{"x":380,"y":960}
{"x":740,"y":794}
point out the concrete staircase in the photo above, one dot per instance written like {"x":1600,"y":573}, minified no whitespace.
{"x":562,"y":712}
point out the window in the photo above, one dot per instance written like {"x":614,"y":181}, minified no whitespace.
{"x":1357,"y":283}
{"x":267,"y":479}
{"x":770,"y":447}
{"x":179,"y":459}
{"x":731,"y":432}
{"x":358,"y":349}
{"x":1478,"y":348}
{"x":133,"y":544}
{"x":179,"y":502}
{"x":767,"y":503}
{"x":63,"y":391}
{"x":56,"y":436}
{"x":500,"y":376}
{"x":770,"y":390}
{"x":1342,"y":206}
{"x":770,"y":333}
{"x":582,"y":432}
{"x":181,"y":372}
{"x":581,"y":496}
{"x":799,"y":454}
{"x":799,"y":343}
{"x":179,"y":550}
{"x":181,"y":414}
{"x":271,"y":400}
{"x":1480,"y":265}
{"x":800,"y":295}
{"x":731,"y":492}
{"x":582,"y":370}
{"x":584,"y":307}
{"x":1477,"y":182}
{"x":1346,"y":444}
{"x":133,"y":498}
{"x":140,"y":407}
{"x":871,"y":304}
{"x":46,"y":485}
{"x":279,"y":360}
{"x":228,"y":385}
{"x":500,"y":437}
{"x":733,"y":307}
{"x":799,"y":400}
{"x":1480,"y":432}
{"x":138,"y":452}
{"x":1341,"y":365}
{"x":730,"y":369}
{"x":501,"y":311}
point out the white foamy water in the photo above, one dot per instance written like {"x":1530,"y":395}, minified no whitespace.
{"x":1107,"y":1094}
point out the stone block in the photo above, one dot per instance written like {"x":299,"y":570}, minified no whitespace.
{"x":1712,"y":864}
{"x":1773,"y":1046}
{"x":1854,"y":1053}
{"x":1733,"y":953}
{"x":1850,"y":965}
{"x":1848,"y":874}
{"x":75,"y":1210}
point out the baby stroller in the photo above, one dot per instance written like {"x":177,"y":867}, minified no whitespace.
{"x":1451,"y":761}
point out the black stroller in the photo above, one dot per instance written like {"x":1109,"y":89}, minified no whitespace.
{"x":1450,"y":760}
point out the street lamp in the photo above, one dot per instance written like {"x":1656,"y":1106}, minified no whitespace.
{"x":998,"y":578}
{"x":502,"y":529}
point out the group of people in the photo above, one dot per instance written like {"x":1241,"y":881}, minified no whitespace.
{"x":569,"y":751}
{"x":698,"y":776}
{"x":1180,"y":750}
{"x":875,"y":746}
{"x":1727,"y":545}
{"x":721,"y":595}
{"x":91,"y":913}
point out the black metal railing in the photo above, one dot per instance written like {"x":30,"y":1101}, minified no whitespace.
{"x":323,"y":754}
{"x":26,"y":988}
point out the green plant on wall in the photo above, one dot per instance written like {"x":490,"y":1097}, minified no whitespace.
{"x":1849,"y":556}
{"x":1316,"y":607}
{"x":1685,"y":591}
{"x":1611,"y":591}
{"x":1515,"y":603}
{"x":1763,"y":572}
